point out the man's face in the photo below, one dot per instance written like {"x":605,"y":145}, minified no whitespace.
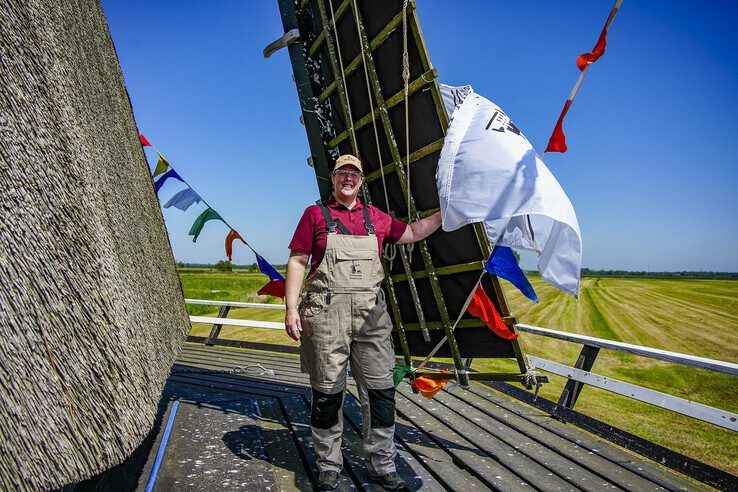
{"x":347,"y":181}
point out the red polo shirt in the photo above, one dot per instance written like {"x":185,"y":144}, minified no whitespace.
{"x":310,"y":235}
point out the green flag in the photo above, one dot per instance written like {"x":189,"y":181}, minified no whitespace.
{"x":399,"y":373}
{"x":161,"y":166}
{"x":207,"y":215}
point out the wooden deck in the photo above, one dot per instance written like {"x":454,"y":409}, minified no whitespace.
{"x":237,"y":429}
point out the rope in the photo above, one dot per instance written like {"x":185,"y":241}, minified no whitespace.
{"x":343,"y":78}
{"x":371,"y":102}
{"x":389,"y":252}
{"x":406,"y":80}
{"x":445,"y":339}
{"x":406,"y":89}
{"x":531,"y":380}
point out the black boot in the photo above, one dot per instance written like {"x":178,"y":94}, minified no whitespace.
{"x":327,"y":480}
{"x":390,"y":481}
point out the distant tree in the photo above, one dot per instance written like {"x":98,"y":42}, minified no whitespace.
{"x":224,"y":266}
{"x":517,"y":255}
{"x":253,"y":268}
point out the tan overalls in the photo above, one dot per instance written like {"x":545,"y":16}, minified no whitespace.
{"x":344,"y":316}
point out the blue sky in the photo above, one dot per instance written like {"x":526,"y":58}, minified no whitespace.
{"x":651,"y":169}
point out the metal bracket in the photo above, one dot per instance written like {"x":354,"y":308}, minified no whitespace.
{"x":287,"y":39}
{"x":571,"y":391}
{"x":215,"y":332}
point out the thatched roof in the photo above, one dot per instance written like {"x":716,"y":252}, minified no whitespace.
{"x":91,"y":308}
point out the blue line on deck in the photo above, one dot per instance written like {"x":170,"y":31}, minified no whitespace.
{"x":162,"y":447}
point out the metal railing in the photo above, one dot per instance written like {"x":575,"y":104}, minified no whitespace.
{"x":578,"y":375}
{"x":222,"y":318}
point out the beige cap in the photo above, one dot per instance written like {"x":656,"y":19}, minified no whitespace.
{"x":348,"y":160}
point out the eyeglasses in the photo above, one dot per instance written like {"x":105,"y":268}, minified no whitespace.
{"x":343,"y":173}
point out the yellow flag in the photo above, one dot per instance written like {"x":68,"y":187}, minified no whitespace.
{"x":161,"y":166}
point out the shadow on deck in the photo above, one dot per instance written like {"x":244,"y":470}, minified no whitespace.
{"x":237,"y":429}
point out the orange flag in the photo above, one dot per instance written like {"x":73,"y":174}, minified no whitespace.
{"x":429,"y":387}
{"x":481,"y":307}
{"x":229,"y":243}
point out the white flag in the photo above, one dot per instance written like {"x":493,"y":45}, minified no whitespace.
{"x":488,"y":172}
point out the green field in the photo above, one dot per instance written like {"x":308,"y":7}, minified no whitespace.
{"x":698,"y":317}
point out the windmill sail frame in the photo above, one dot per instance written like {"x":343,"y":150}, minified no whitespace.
{"x":427,"y":289}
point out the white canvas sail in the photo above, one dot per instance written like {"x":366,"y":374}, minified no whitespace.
{"x":488,"y":172}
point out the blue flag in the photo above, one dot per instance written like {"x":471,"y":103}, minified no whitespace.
{"x":502,"y":263}
{"x":169,"y":174}
{"x":268,"y":269}
{"x":183,"y":199}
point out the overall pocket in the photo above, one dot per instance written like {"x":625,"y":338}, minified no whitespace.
{"x":354,"y":268}
{"x":312,"y":304}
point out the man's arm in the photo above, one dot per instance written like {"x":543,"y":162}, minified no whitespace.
{"x":293,"y":281}
{"x":421,"y":229}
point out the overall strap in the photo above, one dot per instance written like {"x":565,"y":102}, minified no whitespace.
{"x":367,"y":221}
{"x":330,"y":222}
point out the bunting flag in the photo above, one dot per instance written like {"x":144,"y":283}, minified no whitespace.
{"x":272,"y":288}
{"x":557,"y":142}
{"x":481,"y":307}
{"x":183,"y":199}
{"x":229,"y":243}
{"x":585,"y":59}
{"x":161,"y":166}
{"x":502,"y":263}
{"x":275,"y":286}
{"x":399,"y":372}
{"x":208,"y":214}
{"x":169,"y":174}
{"x":429,"y":387}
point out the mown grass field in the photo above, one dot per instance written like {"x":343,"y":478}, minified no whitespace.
{"x":698,"y":317}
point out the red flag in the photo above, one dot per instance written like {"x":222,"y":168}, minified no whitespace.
{"x":557,"y":142}
{"x":481,"y":307}
{"x":143,"y":140}
{"x":273,"y":288}
{"x":229,"y":243}
{"x":586,"y":58}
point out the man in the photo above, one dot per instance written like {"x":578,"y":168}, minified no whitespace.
{"x":343,"y":316}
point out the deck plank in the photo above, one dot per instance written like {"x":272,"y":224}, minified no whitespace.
{"x":259,"y":425}
{"x":547,"y":457}
{"x":484,"y":467}
{"x":417,"y":475}
{"x":509,"y":456}
{"x":298,"y":413}
{"x":628,"y":466}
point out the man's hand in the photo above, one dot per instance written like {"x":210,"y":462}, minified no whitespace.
{"x":292,"y":324}
{"x":293,"y":281}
